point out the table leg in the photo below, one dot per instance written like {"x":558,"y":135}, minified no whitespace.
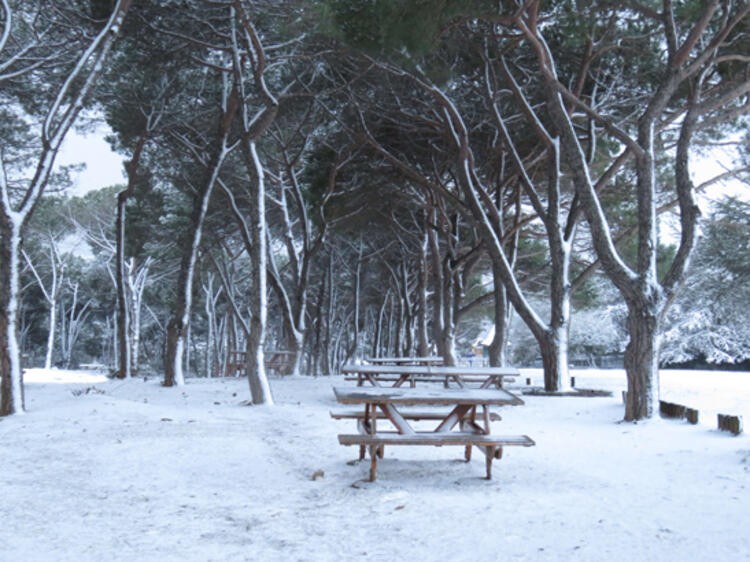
{"x":490,"y":454}
{"x":401,"y":380}
{"x":373,"y":462}
{"x":396,"y":418}
{"x":457,"y":414}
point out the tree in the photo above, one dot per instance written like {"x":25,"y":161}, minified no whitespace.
{"x":47,"y":261}
{"x":707,"y":323}
{"x":684,"y":89}
{"x":68,"y":84}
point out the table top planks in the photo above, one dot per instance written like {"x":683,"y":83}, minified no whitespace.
{"x":432,"y":360}
{"x":438,"y":371}
{"x":433,"y":396}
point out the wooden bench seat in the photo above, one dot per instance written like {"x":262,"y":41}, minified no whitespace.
{"x":445,"y":380}
{"x":408,"y":414}
{"x":491,"y":445}
{"x":396,"y":378}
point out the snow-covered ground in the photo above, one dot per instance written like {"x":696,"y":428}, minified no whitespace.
{"x":133,"y":471}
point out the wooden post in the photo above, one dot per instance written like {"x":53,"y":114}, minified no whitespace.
{"x":670,"y":410}
{"x":732,"y":424}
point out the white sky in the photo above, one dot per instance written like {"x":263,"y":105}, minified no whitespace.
{"x":103,"y":167}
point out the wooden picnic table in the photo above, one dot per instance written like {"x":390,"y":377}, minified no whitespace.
{"x":462,"y":376}
{"x":461,"y":424}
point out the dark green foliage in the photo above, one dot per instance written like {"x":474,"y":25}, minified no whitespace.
{"x":409,"y":26}
{"x":101,"y":9}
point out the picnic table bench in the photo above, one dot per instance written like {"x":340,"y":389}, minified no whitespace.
{"x":398,"y":375}
{"x":404,"y":360}
{"x":461,"y":424}
{"x":276,"y":361}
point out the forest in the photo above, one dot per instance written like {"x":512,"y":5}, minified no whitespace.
{"x":327,"y":180}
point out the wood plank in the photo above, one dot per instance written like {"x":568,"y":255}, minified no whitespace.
{"x":436,"y":439}
{"x":416,"y":415}
{"x":433,"y":360}
{"x":423,"y":395}
{"x":429,"y":370}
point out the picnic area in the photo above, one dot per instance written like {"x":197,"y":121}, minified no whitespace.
{"x":130,"y":470}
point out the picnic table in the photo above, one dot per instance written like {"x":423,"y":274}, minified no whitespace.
{"x":465,"y":422}
{"x":398,"y":375}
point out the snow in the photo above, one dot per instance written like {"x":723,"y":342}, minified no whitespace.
{"x":129,"y":470}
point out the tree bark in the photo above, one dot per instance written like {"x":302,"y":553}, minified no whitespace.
{"x":423,"y":344}
{"x":498,"y":345}
{"x":11,"y":383}
{"x":260,"y":390}
{"x":642,"y":362}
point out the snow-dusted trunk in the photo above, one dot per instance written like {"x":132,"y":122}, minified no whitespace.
{"x":136,"y":287}
{"x":558,"y":331}
{"x":377,"y":344}
{"x":327,"y":348}
{"x":211,"y":322}
{"x":443,"y":324}
{"x":641,"y":362}
{"x":174,"y":354}
{"x":260,"y":390}
{"x":319,"y":350}
{"x":51,"y":294}
{"x":52,"y":322}
{"x":553,"y":347}
{"x":294,"y":342}
{"x":11,"y":383}
{"x":356,"y":292}
{"x":124,"y":349}
{"x":423,"y":343}
{"x":71,"y":324}
{"x":498,"y":345}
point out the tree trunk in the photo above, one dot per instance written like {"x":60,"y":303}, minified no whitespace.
{"x":553,"y":346}
{"x":497,"y":348}
{"x":11,"y":382}
{"x":260,"y":390}
{"x":51,"y":333}
{"x":423,"y":345}
{"x":123,"y":311}
{"x":642,"y":362}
